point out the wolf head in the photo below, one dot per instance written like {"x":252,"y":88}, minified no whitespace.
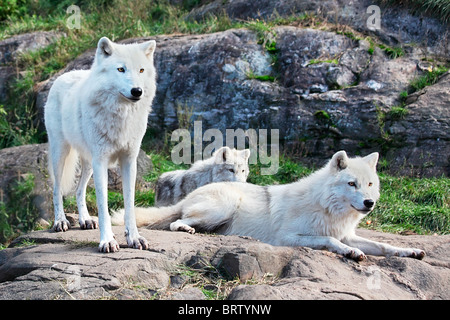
{"x":354,"y":184}
{"x":230,"y":165}
{"x":126,"y":72}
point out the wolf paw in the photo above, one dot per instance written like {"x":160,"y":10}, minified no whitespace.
{"x":412,"y":253}
{"x":138,"y":243}
{"x":187,"y":229}
{"x":418,"y":254}
{"x":61,"y":225}
{"x":108,"y":246}
{"x":181,"y":226}
{"x":89,"y":224}
{"x":355,"y":254}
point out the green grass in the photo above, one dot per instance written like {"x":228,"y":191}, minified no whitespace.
{"x":420,"y":205}
{"x":318,"y":61}
{"x":19,"y":214}
{"x":397,"y":113}
{"x":251,"y":75}
{"x":115,"y":200}
{"x":412,"y":204}
{"x":117,"y":19}
{"x":415,"y":204}
{"x":265,"y":78}
{"x":392,"y":52}
{"x":214,"y":283}
{"x":428,"y":79}
{"x":406,"y":204}
{"x":267,"y":38}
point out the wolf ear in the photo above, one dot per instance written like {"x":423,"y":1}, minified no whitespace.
{"x":372,"y":160}
{"x":105,"y":47}
{"x":222,"y":155}
{"x":149,"y":48}
{"x":339,"y":161}
{"x":245,"y":154}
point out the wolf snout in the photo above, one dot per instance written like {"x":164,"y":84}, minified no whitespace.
{"x":136,"y":92}
{"x":369,"y":203}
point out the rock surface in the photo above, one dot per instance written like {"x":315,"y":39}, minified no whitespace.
{"x":12,"y":48}
{"x":32,"y":159}
{"x":423,"y":134}
{"x":397,"y":24}
{"x":329,"y":93}
{"x":48,"y":265}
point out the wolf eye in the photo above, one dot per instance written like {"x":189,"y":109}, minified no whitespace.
{"x":141,"y":71}
{"x":231,"y":170}
{"x":352,"y":184}
{"x":121,"y":69}
{"x":370,"y":184}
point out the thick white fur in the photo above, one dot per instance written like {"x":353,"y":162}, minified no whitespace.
{"x":224,"y":165}
{"x":92,"y":118}
{"x":320,"y":211}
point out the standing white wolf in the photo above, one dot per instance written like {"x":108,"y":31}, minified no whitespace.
{"x":98,"y":117}
{"x":320,"y":211}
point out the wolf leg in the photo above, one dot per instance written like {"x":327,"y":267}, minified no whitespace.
{"x":194,"y":213}
{"x":324,"y":242}
{"x":206,"y":214}
{"x":107,"y":241}
{"x":182,"y":225}
{"x":86,"y":222}
{"x":134,"y":239}
{"x":382,"y":249}
{"x":58,"y":153}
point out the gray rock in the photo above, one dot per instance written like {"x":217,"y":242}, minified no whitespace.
{"x":17,"y":161}
{"x":397,"y":23}
{"x":240,"y":265}
{"x":339,"y":77}
{"x":423,"y":134}
{"x":189,"y":294}
{"x":252,"y":261}
{"x":297,"y":47}
{"x":212,"y":77}
{"x":257,"y":292}
{"x":12,"y":47}
{"x":67,"y":265}
{"x":6,"y":74}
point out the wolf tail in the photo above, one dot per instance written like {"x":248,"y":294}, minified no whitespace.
{"x":69,"y":170}
{"x":153,"y":217}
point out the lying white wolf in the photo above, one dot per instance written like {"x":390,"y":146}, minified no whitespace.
{"x":224,"y":165}
{"x":98,"y":117}
{"x":320,"y":211}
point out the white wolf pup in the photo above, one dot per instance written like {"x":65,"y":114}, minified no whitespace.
{"x":320,"y":211}
{"x":98,"y":117}
{"x":225,"y":165}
